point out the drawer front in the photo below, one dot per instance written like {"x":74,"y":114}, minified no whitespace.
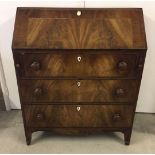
{"x":78,"y":116}
{"x":79,"y":91}
{"x":79,"y":65}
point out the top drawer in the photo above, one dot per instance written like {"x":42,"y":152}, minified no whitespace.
{"x":76,"y":65}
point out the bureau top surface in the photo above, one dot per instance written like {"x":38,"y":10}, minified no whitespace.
{"x":51,"y":28}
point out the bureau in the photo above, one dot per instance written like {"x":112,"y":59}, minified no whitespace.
{"x":79,"y":70}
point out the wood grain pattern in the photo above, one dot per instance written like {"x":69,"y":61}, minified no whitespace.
{"x":79,"y":74}
{"x":69,"y":116}
{"x":78,"y":90}
{"x":64,"y":33}
{"x":89,"y":65}
{"x":94,"y":29}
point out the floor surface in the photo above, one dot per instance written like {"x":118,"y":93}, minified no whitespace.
{"x":12,"y":138}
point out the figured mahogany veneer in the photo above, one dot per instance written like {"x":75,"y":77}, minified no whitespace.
{"x":85,"y":116}
{"x":45,"y":28}
{"x":79,"y":70}
{"x":79,"y":65}
{"x":79,"y":91}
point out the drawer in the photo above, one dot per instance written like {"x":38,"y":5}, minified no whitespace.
{"x":78,"y":65}
{"x":79,"y":90}
{"x":78,"y":116}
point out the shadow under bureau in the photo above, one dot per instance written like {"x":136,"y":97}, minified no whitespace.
{"x":79,"y":70}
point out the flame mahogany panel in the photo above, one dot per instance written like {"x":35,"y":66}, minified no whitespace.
{"x":87,"y":116}
{"x":88,"y":91}
{"x":88,"y":65}
{"x":94,"y":29}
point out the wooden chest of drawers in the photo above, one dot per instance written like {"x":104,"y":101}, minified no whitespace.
{"x":79,"y":70}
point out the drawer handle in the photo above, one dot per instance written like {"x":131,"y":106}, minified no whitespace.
{"x":116,"y":117}
{"x":38,"y":91}
{"x":40,"y":116}
{"x":17,"y":65}
{"x":79,"y":58}
{"x":78,"y":13}
{"x":78,"y":83}
{"x":122,"y":65}
{"x":120,"y":92}
{"x":140,"y":66}
{"x":35,"y":66}
{"x":78,"y":108}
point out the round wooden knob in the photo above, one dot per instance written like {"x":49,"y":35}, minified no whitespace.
{"x":35,"y":66}
{"x":116,"y":117}
{"x":140,"y":66}
{"x":120,"y":92}
{"x":38,"y":91}
{"x":122,"y":65}
{"x":39,"y":116}
{"x":17,"y":65}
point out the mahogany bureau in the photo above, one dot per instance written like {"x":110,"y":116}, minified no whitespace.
{"x":79,"y":70}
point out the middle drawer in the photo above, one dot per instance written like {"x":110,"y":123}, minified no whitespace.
{"x":78,"y":90}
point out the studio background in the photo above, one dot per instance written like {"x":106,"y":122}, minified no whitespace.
{"x":146,"y":100}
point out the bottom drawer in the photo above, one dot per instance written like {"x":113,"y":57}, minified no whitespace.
{"x":78,"y":115}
